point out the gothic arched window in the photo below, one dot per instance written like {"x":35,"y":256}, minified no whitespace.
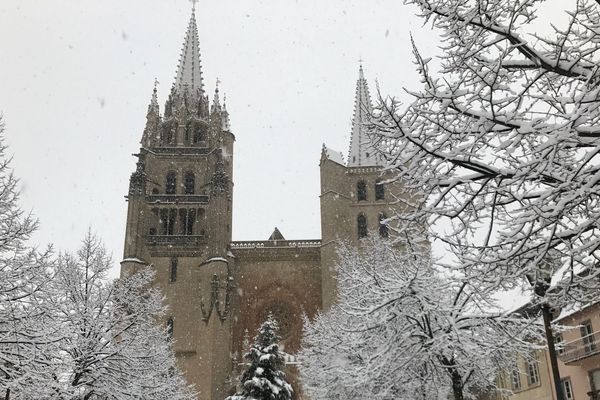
{"x":361,"y":223}
{"x":361,"y":191}
{"x":379,"y":190}
{"x":188,"y":183}
{"x":383,"y":228}
{"x":187,"y":217}
{"x":189,"y":223}
{"x":171,"y":183}
{"x":167,"y":220}
{"x":173,"y":270}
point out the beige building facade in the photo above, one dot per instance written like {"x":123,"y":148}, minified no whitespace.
{"x":578,"y":350}
{"x":179,"y":222}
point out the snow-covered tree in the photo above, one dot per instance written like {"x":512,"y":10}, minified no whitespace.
{"x":26,"y":332}
{"x":263,"y":378}
{"x":113,"y":347}
{"x":503,"y":142}
{"x":403,"y":330}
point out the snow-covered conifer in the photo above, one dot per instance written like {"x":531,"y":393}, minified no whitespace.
{"x":263,"y":378}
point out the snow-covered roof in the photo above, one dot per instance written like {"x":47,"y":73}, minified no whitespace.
{"x":135,"y":260}
{"x":276,"y":235}
{"x":216,"y":259}
{"x":333,"y":155}
{"x":572,"y":309}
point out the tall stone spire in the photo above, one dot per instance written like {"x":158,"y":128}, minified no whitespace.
{"x":189,"y":72}
{"x":361,"y":152}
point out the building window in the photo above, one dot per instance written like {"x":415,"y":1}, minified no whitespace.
{"x":170,"y":327}
{"x":587,"y":334}
{"x":189,"y":226}
{"x":558,"y":343}
{"x":567,"y":389}
{"x":361,"y":222}
{"x":379,"y":190}
{"x":171,"y":183}
{"x":187,"y":218}
{"x":515,"y":379}
{"x":167,"y":221}
{"x":533,"y":374}
{"x":594,"y":377}
{"x":189,"y":183}
{"x":383,"y":228}
{"x":361,"y":191}
{"x":173,"y":270}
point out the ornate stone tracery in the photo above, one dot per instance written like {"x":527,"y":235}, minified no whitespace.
{"x":219,"y":181}
{"x":215,"y":301}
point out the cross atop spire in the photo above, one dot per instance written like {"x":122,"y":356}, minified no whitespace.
{"x":361,"y":151}
{"x":189,"y":72}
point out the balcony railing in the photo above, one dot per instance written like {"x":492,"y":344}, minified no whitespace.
{"x":265,"y":244}
{"x":583,"y":347}
{"x":174,"y":239}
{"x":177,"y":198}
{"x":194,"y":149}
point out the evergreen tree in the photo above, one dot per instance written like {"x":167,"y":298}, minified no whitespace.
{"x":263,"y":378}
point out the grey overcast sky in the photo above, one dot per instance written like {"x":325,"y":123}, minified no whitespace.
{"x":76,"y":78}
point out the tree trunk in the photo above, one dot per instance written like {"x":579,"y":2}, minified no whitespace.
{"x":7,"y":396}
{"x":457,"y":385}
{"x":552,"y":351}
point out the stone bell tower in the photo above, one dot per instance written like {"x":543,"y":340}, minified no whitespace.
{"x":353,"y":198}
{"x":179,"y":219}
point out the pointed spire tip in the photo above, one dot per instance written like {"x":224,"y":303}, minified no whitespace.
{"x":361,"y":151}
{"x":189,"y":67}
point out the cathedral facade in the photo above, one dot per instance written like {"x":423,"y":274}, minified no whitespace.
{"x":179,"y":222}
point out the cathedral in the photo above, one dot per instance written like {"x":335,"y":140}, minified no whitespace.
{"x":179,"y":221}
